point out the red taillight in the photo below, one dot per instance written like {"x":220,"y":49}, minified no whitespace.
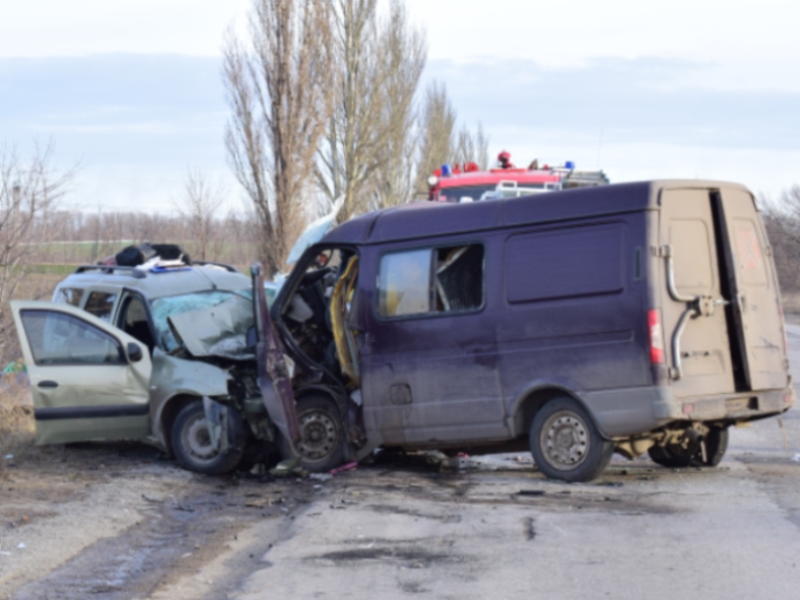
{"x":656,"y":336}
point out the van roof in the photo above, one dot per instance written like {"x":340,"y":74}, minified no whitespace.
{"x":424,"y":219}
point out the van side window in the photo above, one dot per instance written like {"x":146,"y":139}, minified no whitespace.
{"x":436,"y":280}
{"x":459,"y":278}
{"x":100,"y":304}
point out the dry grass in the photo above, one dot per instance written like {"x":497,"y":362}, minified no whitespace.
{"x":16,"y":423}
{"x":37,"y":286}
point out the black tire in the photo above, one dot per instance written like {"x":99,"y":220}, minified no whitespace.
{"x":191,"y":442}
{"x":716,"y":445}
{"x":321,"y":444}
{"x":566,"y":444}
{"x":672,"y":456}
{"x":676,"y":457}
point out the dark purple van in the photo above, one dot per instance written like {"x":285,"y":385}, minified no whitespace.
{"x":639,"y":317}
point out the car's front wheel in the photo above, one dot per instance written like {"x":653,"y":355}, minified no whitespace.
{"x":192,"y":445}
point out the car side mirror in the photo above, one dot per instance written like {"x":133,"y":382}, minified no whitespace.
{"x":134,"y":352}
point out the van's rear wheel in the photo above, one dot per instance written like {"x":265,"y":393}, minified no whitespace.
{"x":676,"y":456}
{"x":566,"y":444}
{"x":321,"y":444}
{"x":672,"y":455}
{"x":716,"y":445}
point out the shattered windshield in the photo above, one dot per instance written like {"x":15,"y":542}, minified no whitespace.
{"x":163,"y":308}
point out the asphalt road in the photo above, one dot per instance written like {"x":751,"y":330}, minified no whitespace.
{"x":488,"y":527}
{"x":500,"y":530}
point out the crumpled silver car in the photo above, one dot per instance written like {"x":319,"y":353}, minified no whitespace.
{"x":178,"y":354}
{"x":151,"y":353}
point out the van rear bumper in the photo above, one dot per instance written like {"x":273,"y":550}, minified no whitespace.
{"x":736,"y":407}
{"x":634,"y":411}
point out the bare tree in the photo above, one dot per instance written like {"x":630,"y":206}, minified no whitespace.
{"x":277,"y":88}
{"x":378,"y":65}
{"x":782,"y":221}
{"x":441,"y":144}
{"x":437,"y":125}
{"x":29,"y":192}
{"x":472,"y":147}
{"x":198,"y":207}
{"x":403,"y":54}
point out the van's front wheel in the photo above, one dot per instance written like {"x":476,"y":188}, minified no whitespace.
{"x":566,"y":444}
{"x":321,"y":444}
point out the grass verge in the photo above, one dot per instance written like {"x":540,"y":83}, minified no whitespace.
{"x":16,"y":423}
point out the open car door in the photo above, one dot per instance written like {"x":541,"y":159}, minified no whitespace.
{"x":89,"y":380}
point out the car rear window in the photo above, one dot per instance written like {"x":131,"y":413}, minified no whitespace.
{"x":71,"y":296}
{"x":100,"y":304}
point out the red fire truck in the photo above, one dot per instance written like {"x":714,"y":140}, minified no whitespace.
{"x":466,"y":183}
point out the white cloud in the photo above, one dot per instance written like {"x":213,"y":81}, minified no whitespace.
{"x":38,"y":28}
{"x":678,"y":89}
{"x":730,"y":33}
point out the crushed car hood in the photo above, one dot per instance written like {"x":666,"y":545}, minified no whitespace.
{"x":220,"y":330}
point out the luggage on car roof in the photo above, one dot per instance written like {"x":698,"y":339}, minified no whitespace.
{"x":133,"y":256}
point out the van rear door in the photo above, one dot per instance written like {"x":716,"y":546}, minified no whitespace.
{"x":754,"y":292}
{"x":699,"y":347}
{"x":722,"y":311}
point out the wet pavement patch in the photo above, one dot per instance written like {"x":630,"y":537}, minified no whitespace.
{"x":409,"y":556}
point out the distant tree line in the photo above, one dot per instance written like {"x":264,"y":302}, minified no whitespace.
{"x":782,"y":221}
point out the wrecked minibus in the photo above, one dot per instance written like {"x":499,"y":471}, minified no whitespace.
{"x":641,"y":317}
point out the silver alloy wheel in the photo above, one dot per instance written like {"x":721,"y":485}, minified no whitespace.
{"x":318,"y":435}
{"x":564,"y":440}
{"x":197,"y":439}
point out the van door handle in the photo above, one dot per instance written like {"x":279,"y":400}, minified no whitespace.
{"x":696,"y":306}
{"x":666,"y":252}
{"x":48,"y":384}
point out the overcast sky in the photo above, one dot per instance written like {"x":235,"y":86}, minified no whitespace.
{"x":131,"y":91}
